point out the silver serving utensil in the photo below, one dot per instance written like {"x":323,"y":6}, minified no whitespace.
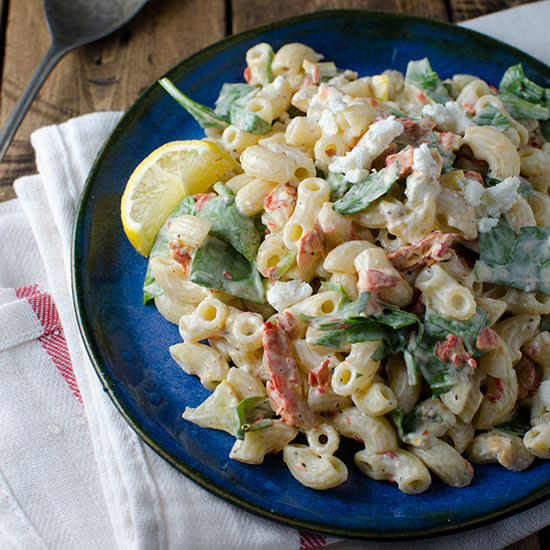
{"x":71,"y":23}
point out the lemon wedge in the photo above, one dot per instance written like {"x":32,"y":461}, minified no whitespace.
{"x":162,"y":179}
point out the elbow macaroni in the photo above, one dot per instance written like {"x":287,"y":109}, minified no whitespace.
{"x":322,"y":356}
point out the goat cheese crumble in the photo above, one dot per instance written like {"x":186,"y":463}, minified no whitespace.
{"x":355,"y":164}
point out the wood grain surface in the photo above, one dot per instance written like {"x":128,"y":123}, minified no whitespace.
{"x":266,"y":11}
{"x":106,"y":75}
{"x":111,"y":73}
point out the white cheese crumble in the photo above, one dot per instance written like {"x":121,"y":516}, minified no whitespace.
{"x":425,"y":177}
{"x":490,"y":202}
{"x":501,"y":197}
{"x":472,"y":191}
{"x":320,"y":101}
{"x":337,"y":103}
{"x":486,"y":224}
{"x":331,"y":104}
{"x":423,"y":161}
{"x":328,"y":124}
{"x":283,"y":294}
{"x":355,"y":164}
{"x":449,"y":117}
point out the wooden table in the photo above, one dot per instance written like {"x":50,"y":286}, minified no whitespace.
{"x":111,"y":73}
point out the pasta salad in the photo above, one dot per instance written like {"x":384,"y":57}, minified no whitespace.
{"x":376,"y":266}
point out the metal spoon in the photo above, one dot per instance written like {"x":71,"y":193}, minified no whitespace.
{"x":71,"y":23}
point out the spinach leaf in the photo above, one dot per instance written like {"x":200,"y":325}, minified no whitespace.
{"x":228,"y":95}
{"x":349,"y":326}
{"x":252,"y":414}
{"x":284,"y":264}
{"x":348,"y":314}
{"x":356,"y":307}
{"x":216,"y":264}
{"x":495,"y":245}
{"x":400,"y":114}
{"x":151,"y":289}
{"x":522,"y":262}
{"x":246,"y":120}
{"x":406,"y":423}
{"x":333,"y":339}
{"x":365,"y":192}
{"x":397,"y":318}
{"x":205,"y":116}
{"x":420,"y":74}
{"x":522,"y":97}
{"x":419,"y":355}
{"x":344,"y":299}
{"x":491,"y":116}
{"x":230,"y":225}
{"x":410,"y":363}
{"x":268,"y":63}
{"x":544,"y":323}
{"x":521,"y":108}
{"x":437,"y":328}
{"x":392,"y":343}
{"x":519,"y":424}
{"x":515,"y":82}
{"x":366,"y":331}
{"x":337,"y":185}
{"x":440,"y":376}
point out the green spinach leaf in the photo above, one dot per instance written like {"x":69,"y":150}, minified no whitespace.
{"x":252,"y":414}
{"x":228,"y":95}
{"x":519,"y":424}
{"x":205,"y":116}
{"x":216,"y":264}
{"x":521,"y":262}
{"x":521,"y":108}
{"x":491,"y":116}
{"x":437,"y":328}
{"x":230,"y":225}
{"x":420,"y":74}
{"x":515,"y":82}
{"x":365,"y":192}
{"x":151,"y":288}
{"x":337,"y":185}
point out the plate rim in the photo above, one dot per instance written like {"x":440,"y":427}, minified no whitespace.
{"x":88,"y":339}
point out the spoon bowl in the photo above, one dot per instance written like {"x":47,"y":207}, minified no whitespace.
{"x":71,"y":24}
{"x":80,"y":22}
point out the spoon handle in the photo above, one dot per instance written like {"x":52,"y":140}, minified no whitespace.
{"x":53,"y":55}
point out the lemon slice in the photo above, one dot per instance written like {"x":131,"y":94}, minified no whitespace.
{"x":161,"y":180}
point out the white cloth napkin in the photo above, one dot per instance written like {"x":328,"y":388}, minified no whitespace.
{"x":72,"y":472}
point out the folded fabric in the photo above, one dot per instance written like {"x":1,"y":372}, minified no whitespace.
{"x":147,"y":500}
{"x":73,"y":474}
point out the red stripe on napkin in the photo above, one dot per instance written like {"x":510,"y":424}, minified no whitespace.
{"x":26,"y":291}
{"x":52,"y":339}
{"x":311,"y":540}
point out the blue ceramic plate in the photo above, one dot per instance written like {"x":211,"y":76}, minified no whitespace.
{"x":128,"y":342}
